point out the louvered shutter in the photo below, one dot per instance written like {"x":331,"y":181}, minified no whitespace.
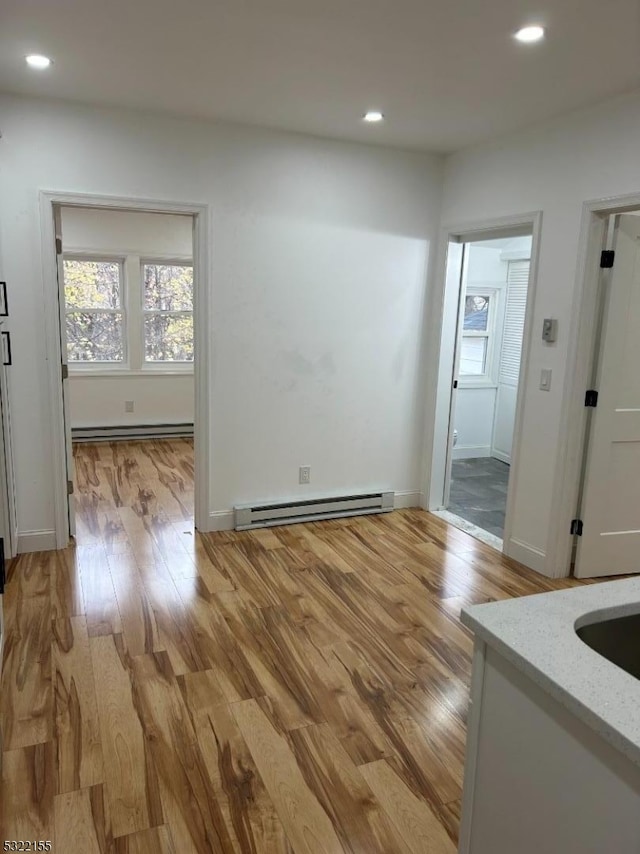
{"x":517,"y":283}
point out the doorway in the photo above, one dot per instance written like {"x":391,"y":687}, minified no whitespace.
{"x":126,"y":292}
{"x":127,"y":285}
{"x":486,"y":313}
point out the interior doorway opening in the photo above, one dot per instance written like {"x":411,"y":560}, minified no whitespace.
{"x":127,"y":309}
{"x":487,"y":298}
{"x":131,"y":316}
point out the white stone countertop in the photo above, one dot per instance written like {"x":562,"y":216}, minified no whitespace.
{"x":537,"y":635}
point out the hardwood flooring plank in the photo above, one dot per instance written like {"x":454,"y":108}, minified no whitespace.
{"x":130,"y":776}
{"x":140,"y":630}
{"x":219,"y":648}
{"x":341,"y":790}
{"x":156,"y":840}
{"x":244,"y":801}
{"x":414,"y":822}
{"x":27,"y":700}
{"x":307,"y":825}
{"x":100,"y":603}
{"x":267,"y":640}
{"x":77,"y":728}
{"x":188,"y":798}
{"x":28,"y":790}
{"x":189,"y":650}
{"x":82,"y":822}
{"x":28,"y":576}
{"x":66,"y":586}
{"x":420,"y":759}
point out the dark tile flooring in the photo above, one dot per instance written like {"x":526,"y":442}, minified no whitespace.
{"x":479,"y":492}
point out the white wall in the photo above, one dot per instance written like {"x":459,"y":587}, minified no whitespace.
{"x":554,"y":168}
{"x":158,"y":398}
{"x":319,"y":265}
{"x":475,"y":410}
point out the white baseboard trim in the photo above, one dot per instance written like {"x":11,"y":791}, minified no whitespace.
{"x":221,"y":520}
{"x":527,"y":554}
{"x":498,"y":455}
{"x":407,"y":499}
{"x":36,"y":541}
{"x":471,"y":452}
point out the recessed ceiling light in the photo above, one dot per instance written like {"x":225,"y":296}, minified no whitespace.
{"x":37,"y":60}
{"x":530,"y":34}
{"x":373,"y":116}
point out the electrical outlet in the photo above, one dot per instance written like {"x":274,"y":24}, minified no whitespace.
{"x":128,"y":406}
{"x":305,"y":474}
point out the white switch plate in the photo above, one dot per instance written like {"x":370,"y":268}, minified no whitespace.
{"x":305,"y":474}
{"x":545,"y":380}
{"x":128,"y":406}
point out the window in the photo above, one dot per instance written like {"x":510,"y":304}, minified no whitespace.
{"x":167,"y":305}
{"x":128,"y":315}
{"x":94,"y":310}
{"x":476,"y":345}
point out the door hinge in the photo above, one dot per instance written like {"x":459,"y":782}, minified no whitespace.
{"x":607,"y":258}
{"x":58,"y":246}
{"x":69,"y":487}
{"x":576,"y":527}
{"x":65,"y":371}
{"x":455,"y":383}
{"x":591,"y":398}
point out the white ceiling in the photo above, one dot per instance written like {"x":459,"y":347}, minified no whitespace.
{"x":446,"y":73}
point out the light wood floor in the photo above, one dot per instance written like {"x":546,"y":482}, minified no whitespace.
{"x":301,"y":688}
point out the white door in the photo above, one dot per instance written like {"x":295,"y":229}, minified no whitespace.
{"x":64,"y":372}
{"x":458,"y":268}
{"x":610,"y":541}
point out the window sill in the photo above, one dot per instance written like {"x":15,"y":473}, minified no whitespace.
{"x":125,"y":373}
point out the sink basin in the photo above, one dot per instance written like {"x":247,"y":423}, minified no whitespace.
{"x":617,"y":639}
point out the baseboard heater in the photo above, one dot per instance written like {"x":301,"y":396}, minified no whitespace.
{"x":311,"y":510}
{"x":128,"y":432}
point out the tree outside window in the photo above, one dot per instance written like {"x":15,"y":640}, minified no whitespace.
{"x":94,"y":310}
{"x":168,"y":312}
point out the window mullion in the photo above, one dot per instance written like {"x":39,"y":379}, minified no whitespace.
{"x":133,"y":302}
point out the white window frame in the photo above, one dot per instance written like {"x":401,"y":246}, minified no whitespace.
{"x":162,"y":367}
{"x":133,"y":365}
{"x":102,"y":367}
{"x":489,"y":378}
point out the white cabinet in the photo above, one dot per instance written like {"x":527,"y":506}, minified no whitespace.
{"x":538,"y":780}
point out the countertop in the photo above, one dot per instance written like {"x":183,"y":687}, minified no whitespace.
{"x":537,"y":635}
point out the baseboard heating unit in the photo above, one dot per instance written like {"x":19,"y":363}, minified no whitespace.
{"x":131,"y":432}
{"x":311,"y":510}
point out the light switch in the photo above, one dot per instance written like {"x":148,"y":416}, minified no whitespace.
{"x":549,"y":330}
{"x":545,"y":380}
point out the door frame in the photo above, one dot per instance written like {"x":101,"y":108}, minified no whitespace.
{"x":581,"y":360}
{"x":201,"y":328}
{"x":440,"y":395}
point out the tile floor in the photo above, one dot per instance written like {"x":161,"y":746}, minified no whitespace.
{"x":479,"y":492}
